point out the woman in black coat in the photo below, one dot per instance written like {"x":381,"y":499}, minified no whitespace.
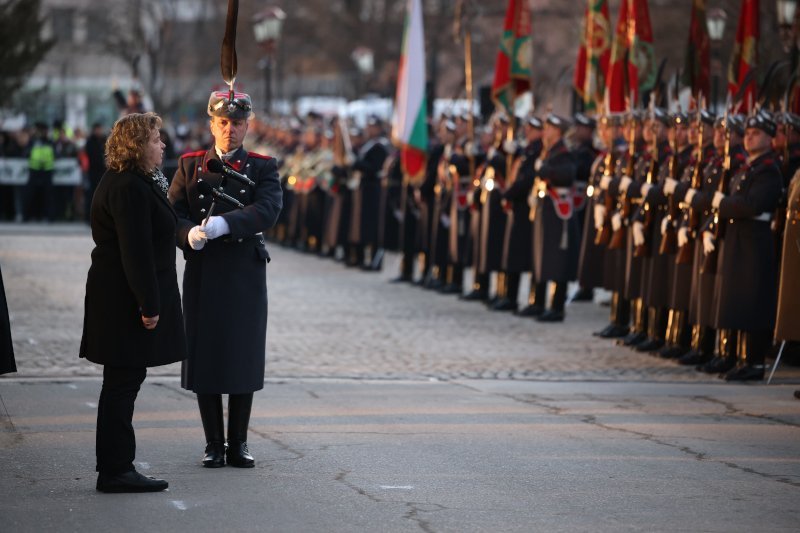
{"x":132,"y":317}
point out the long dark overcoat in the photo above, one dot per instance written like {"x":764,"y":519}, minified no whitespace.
{"x":745,"y":288}
{"x":370,"y":161}
{"x":787,"y":326}
{"x":555,"y":240}
{"x":225,"y":283}
{"x":132,"y":274}
{"x":517,"y":253}
{"x":591,"y":259}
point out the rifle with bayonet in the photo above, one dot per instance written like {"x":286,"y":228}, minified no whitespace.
{"x":625,"y":203}
{"x":686,"y":252}
{"x":717,"y":227}
{"x":643,"y":250}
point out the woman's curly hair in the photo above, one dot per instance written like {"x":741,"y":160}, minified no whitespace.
{"x":125,"y":147}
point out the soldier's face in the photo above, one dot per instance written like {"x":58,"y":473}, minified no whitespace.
{"x":719,"y":138}
{"x":756,"y":141}
{"x":228,"y":132}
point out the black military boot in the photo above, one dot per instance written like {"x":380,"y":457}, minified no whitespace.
{"x":556,"y":311}
{"x":455,"y":283}
{"x":406,"y":270}
{"x":726,"y":354}
{"x":536,"y":300}
{"x":753,"y":347}
{"x":239,"y":406}
{"x":702,"y":347}
{"x":657,"y":326}
{"x":211,"y":415}
{"x":618,"y":320}
{"x":639,"y":332}
{"x":480,"y":289}
{"x":509,"y":301}
{"x":583,"y":295}
{"x":681,"y":337}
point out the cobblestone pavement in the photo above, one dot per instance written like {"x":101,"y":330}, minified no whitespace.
{"x":328,"y":321}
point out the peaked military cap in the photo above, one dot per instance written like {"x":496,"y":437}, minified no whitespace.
{"x":763,"y":122}
{"x":583,"y":120}
{"x":559,"y":122}
{"x":534,"y":122}
{"x":220,"y":105}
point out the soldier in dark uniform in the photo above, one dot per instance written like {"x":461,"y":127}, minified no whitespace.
{"x":585,"y":154}
{"x":440,"y":210}
{"x":646,"y":233}
{"x":555,"y":228}
{"x":369,"y":164}
{"x":746,"y":251}
{"x":517,"y":248}
{"x":224,"y":283}
{"x":700,"y":148}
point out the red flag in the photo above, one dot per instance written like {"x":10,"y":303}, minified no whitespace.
{"x":512,"y":74}
{"x":632,"y":68}
{"x":697,"y":68}
{"x":591,"y":69}
{"x":745,"y":52}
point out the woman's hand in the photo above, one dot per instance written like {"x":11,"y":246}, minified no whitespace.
{"x":149,"y":322}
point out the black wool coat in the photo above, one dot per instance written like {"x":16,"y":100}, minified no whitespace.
{"x":225,"y":283}
{"x":132,"y":274}
{"x":518,"y":253}
{"x":370,"y":161}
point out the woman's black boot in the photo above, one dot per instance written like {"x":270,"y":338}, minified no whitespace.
{"x":211,"y":415}
{"x":238,"y":419}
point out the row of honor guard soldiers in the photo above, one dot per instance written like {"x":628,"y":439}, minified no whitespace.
{"x":680,"y":217}
{"x":687,"y":228}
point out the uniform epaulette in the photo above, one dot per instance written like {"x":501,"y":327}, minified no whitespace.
{"x":258,"y":156}
{"x":194,"y":154}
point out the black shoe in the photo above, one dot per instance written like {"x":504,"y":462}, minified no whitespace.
{"x":672,"y":351}
{"x":650,"y":345}
{"x":131,"y":481}
{"x":401,"y":279}
{"x":797,"y":394}
{"x":745,"y":373}
{"x":694,"y":358}
{"x":613,"y":332}
{"x":634,"y":338}
{"x":583,"y":295}
{"x":603,"y":331}
{"x":239,"y":456}
{"x":215,"y":455}
{"x":475,"y":296}
{"x":531,"y":310}
{"x":718,"y":365}
{"x":434,"y":284}
{"x":551,"y":316}
{"x":503,"y":304}
{"x":450,"y":288}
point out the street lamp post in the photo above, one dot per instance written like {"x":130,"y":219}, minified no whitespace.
{"x":715,"y":21}
{"x":267,"y":26}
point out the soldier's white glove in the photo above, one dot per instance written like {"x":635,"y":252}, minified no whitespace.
{"x":510,"y":146}
{"x":604,"y":181}
{"x":470,"y":150}
{"x":624,"y":183}
{"x":599,"y":216}
{"x":537,"y":166}
{"x":616,"y":221}
{"x":718,"y":196}
{"x":445,"y":220}
{"x":646,"y":189}
{"x":708,"y":243}
{"x":664,"y":225}
{"x":216,"y":227}
{"x":638,"y":233}
{"x":669,"y":185}
{"x":197,"y":238}
{"x":689,"y":195}
{"x":683,"y":236}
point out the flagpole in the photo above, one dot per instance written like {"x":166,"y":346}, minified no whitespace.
{"x":470,"y":116}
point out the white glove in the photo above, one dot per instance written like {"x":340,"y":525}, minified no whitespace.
{"x":510,"y":146}
{"x":664,"y":224}
{"x":683,"y":236}
{"x":624,"y":183}
{"x":645,"y":189}
{"x":537,"y":166}
{"x":197,"y":238}
{"x":445,"y":220}
{"x":708,"y":243}
{"x":638,"y":233}
{"x":599,"y":216}
{"x":470,"y":149}
{"x":669,"y":185}
{"x":616,"y":221}
{"x":216,"y":227}
{"x":604,"y":181}
{"x":718,"y":196}
{"x":689,"y":195}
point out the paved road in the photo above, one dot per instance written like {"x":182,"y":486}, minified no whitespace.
{"x":392,"y":409}
{"x":329,"y":321}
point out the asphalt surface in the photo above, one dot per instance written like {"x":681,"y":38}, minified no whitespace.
{"x":388,"y":408}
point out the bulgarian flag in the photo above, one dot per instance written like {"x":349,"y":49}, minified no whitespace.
{"x":633,"y":68}
{"x":409,"y":124}
{"x":696,"y":71}
{"x":512,"y":73}
{"x":591,"y":68}
{"x":745,"y":52}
